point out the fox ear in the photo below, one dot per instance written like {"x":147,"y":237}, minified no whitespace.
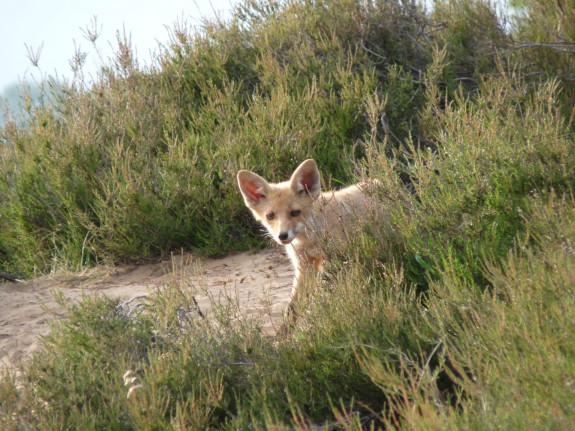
{"x":253,"y":187}
{"x":306,"y":178}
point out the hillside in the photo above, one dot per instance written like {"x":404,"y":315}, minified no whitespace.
{"x":451,"y":309}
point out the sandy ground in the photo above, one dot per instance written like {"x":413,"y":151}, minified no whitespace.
{"x":259,"y":282}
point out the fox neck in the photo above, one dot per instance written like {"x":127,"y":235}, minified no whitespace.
{"x":305,"y":249}
{"x":307,"y":237}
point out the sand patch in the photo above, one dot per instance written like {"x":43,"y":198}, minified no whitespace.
{"x":260,"y":283}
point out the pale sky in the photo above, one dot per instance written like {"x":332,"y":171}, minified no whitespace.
{"x":57,"y":24}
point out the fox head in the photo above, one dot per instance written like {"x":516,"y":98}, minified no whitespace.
{"x":282,"y":208}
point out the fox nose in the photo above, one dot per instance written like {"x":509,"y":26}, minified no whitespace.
{"x":283,"y":236}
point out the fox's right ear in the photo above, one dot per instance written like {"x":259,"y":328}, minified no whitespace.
{"x":253,"y":187}
{"x":307,"y":178}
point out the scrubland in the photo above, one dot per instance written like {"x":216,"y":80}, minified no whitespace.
{"x":453,"y":309}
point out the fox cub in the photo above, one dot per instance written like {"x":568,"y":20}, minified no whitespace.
{"x":296,"y":213}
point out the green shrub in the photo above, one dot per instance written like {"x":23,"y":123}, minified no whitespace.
{"x":544,"y":33}
{"x":144,"y":161}
{"x":449,"y":309}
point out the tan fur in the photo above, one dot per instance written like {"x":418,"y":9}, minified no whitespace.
{"x":296,"y":213}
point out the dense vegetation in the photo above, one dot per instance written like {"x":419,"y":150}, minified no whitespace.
{"x":455,"y":310}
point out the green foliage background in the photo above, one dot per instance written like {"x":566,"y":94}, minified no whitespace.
{"x":453,"y":310}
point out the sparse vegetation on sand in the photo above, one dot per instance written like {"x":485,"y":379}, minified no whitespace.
{"x":455,"y":310}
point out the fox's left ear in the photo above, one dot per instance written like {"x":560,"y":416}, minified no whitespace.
{"x":306,"y":177}
{"x":253,"y":187}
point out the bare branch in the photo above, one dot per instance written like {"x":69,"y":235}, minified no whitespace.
{"x":561,"y":47}
{"x":34,"y":55}
{"x":10,"y":277}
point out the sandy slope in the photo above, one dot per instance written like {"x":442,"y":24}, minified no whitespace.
{"x":261,"y":282}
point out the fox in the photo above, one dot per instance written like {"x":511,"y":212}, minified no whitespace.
{"x":297,"y":214}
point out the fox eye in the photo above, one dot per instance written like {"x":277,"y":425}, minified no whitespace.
{"x":270,"y":216}
{"x":295,"y":213}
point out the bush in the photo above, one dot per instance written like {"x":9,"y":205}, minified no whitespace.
{"x":449,"y":310}
{"x":144,"y":161}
